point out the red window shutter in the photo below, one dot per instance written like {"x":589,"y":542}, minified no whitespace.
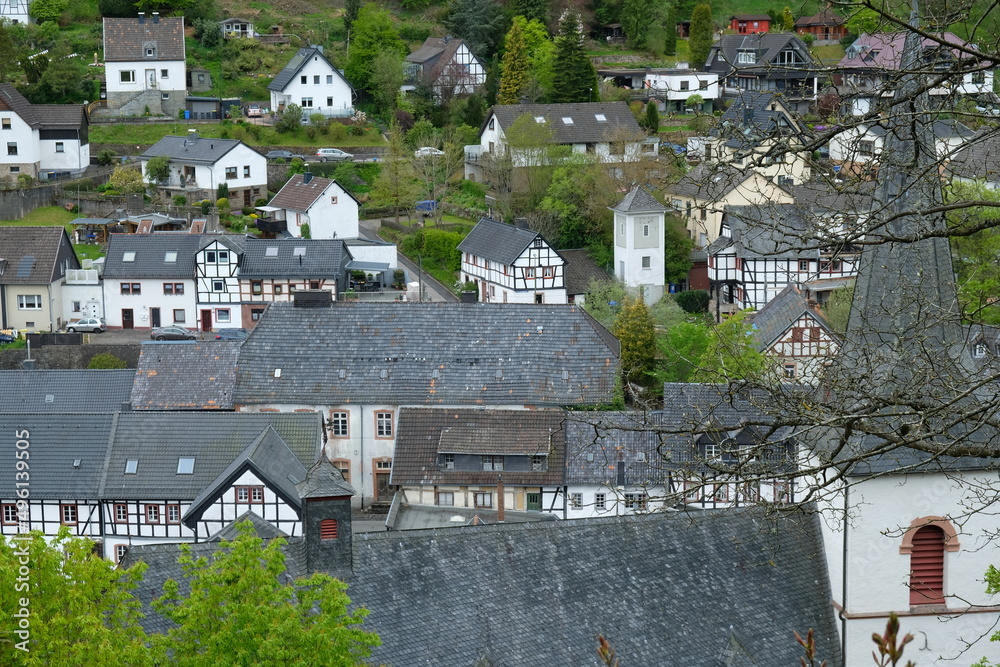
{"x":328,"y":529}
{"x":927,"y":566}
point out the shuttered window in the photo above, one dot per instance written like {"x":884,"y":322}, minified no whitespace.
{"x":927,"y":566}
{"x":328,"y":529}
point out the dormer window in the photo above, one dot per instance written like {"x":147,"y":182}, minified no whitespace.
{"x":746,"y":58}
{"x":979,"y":351}
{"x":540,"y":119}
{"x":149,"y":49}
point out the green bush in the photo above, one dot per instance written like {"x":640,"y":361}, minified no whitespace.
{"x":337,"y":131}
{"x":247,"y":210}
{"x":107,"y":157}
{"x":106,"y":360}
{"x":180,"y":200}
{"x":435,"y":246}
{"x":222,"y":191}
{"x":222,"y":202}
{"x":693,"y":301}
{"x":357,"y":130}
{"x":206,"y":206}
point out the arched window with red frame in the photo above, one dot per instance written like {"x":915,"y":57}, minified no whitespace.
{"x":927,"y":566}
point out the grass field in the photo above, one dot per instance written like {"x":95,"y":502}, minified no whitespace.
{"x":56,"y":216}
{"x":252,"y":135}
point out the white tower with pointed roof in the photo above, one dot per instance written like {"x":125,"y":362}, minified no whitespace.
{"x":639,"y":243}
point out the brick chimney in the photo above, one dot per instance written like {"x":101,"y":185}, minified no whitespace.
{"x":500,"y":495}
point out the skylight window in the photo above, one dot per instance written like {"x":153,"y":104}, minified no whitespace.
{"x":540,"y":119}
{"x":185,"y":466}
{"x":271,"y":251}
{"x":601,"y":118}
{"x":50,"y":398}
{"x":170,"y":256}
{"x":567,"y":120}
{"x":298,"y":250}
{"x":128,"y":257}
{"x":131,"y":466}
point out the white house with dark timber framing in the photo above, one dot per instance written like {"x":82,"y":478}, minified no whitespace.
{"x":218,"y":283}
{"x":448,"y":64}
{"x":511,"y":264}
{"x":759,"y":251}
{"x":640,"y":250}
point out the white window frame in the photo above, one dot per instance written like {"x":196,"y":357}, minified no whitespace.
{"x":24,"y":304}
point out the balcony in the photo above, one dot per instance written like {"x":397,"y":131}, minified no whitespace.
{"x":474,"y":154}
{"x":271,"y":225}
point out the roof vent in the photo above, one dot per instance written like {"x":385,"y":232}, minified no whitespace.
{"x":307,"y":177}
{"x":384,"y":374}
{"x":50,"y":398}
{"x":565,"y":375}
{"x":77,"y":462}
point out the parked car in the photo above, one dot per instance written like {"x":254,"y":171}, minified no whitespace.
{"x":231,"y":334}
{"x":94,"y":324}
{"x":332,"y":155}
{"x":6,"y":338}
{"x":427,"y":151}
{"x":254,"y":111}
{"x":283,"y":155}
{"x":172,"y":333}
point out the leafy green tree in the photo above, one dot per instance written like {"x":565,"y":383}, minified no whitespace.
{"x":677,"y":260}
{"x":208,"y":32}
{"x":481,"y":23}
{"x":126,"y":178}
{"x":540,"y":51}
{"x":693,"y":301}
{"x":158,"y":169}
{"x":573,"y":197}
{"x":106,"y":360}
{"x":838,"y":308}
{"x":636,"y":332}
{"x":387,"y":77}
{"x":604,"y":299}
{"x":731,"y":354}
{"x":636,"y":17}
{"x":396,"y":185}
{"x":700,"y":40}
{"x":532,"y":10}
{"x":681,"y":349}
{"x":289,"y":119}
{"x":787,"y":20}
{"x":571,"y":67}
{"x":975,"y":256}
{"x":116,"y":8}
{"x":514,"y":65}
{"x":240,"y":612}
{"x":696,"y":102}
{"x":670,"y":32}
{"x":79,"y":609}
{"x":374,"y":34}
{"x":47,"y":10}
{"x":61,"y":82}
{"x":352,"y":9}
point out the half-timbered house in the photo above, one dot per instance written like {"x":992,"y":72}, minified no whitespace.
{"x":448,"y":64}
{"x":760,"y":250}
{"x":772,"y":62}
{"x":217,"y":281}
{"x":467,"y":457}
{"x":312,"y":207}
{"x":512,"y":264}
{"x":360,"y":363}
{"x":795,"y":333}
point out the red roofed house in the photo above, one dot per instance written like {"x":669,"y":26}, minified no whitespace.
{"x":827,"y":26}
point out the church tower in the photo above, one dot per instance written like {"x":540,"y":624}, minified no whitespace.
{"x":639,"y":243}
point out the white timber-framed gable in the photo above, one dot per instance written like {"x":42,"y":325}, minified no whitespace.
{"x":510,"y":264}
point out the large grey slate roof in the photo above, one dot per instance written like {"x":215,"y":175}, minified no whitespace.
{"x":539,"y":594}
{"x":497,"y":241}
{"x":294,"y":258}
{"x":638,"y":200}
{"x":979,"y":159}
{"x":214,"y":439}
{"x":777,"y":231}
{"x":56,"y":442}
{"x":201,"y":150}
{"x":42,"y":116}
{"x":768,"y":45}
{"x":427,"y":354}
{"x":298,"y":61}
{"x":64,"y":391}
{"x":585,"y":126}
{"x":124,"y":38}
{"x":580,"y":270}
{"x":780,"y":313}
{"x":710,"y":182}
{"x":186,"y":376}
{"x":32,"y":255}
{"x":151,"y":254}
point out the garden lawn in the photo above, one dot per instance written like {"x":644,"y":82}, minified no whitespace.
{"x":150,"y":134}
{"x":52,"y":216}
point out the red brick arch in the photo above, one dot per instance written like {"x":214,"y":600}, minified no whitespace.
{"x":950,"y":534}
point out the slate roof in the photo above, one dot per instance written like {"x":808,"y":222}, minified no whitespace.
{"x":261,"y":527}
{"x":525,"y":594}
{"x":270,"y":459}
{"x":214,"y":439}
{"x":825,"y":17}
{"x":979,"y":159}
{"x":435,"y":54}
{"x":323,"y":480}
{"x":124,"y":39}
{"x":723,"y":56}
{"x":585,"y":126}
{"x":192,"y":376}
{"x":427,"y":354}
{"x":151,"y":254}
{"x":580,"y":270}
{"x":297,"y":195}
{"x":56,"y":442}
{"x":42,"y":116}
{"x":322,"y":258}
{"x":423,"y":433}
{"x":778,"y":231}
{"x":710,"y":182}
{"x":298,"y":61}
{"x":32,"y":255}
{"x":639,"y":200}
{"x":885,"y":50}
{"x":498,"y":241}
{"x":200,"y":150}
{"x":852,"y":197}
{"x":64,"y":391}
{"x":780,"y":313}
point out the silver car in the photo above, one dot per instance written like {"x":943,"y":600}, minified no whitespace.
{"x":332,"y":155}
{"x":94,"y":324}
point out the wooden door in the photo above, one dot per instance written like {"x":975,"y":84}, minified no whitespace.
{"x":382,"y":491}
{"x":128,"y":319}
{"x":534,"y":502}
{"x":206,"y":320}
{"x":154,"y":317}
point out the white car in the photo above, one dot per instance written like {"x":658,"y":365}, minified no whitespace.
{"x":94,"y":324}
{"x":333,"y":155}
{"x":427,"y":151}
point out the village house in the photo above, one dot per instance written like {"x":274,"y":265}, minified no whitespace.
{"x":749,"y":24}
{"x":826,"y":27}
{"x":640,"y":250}
{"x":34,"y":262}
{"x":672,"y":87}
{"x":770,"y":62}
{"x":313,"y":83}
{"x":359,"y":363}
{"x":311,"y":207}
{"x":978,"y":162}
{"x":234,"y":28}
{"x":447,"y":64}
{"x":199,"y":165}
{"x":512,"y":264}
{"x":43,"y":140}
{"x":870,"y":71}
{"x":858,"y":148}
{"x":144,"y":65}
{"x":16,"y":11}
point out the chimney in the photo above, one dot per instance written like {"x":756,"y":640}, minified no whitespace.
{"x":500,"y":495}
{"x":306,"y":177}
{"x":156,"y":17}
{"x":521,"y":223}
{"x":192,"y":137}
{"x":447,"y":38}
{"x":316,"y":298}
{"x":142,"y":17}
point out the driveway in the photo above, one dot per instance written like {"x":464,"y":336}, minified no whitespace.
{"x":123,"y":336}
